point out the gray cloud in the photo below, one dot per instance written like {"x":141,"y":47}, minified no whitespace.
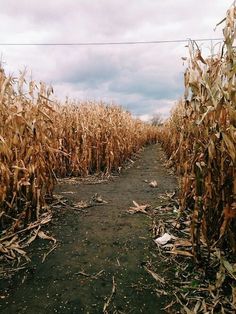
{"x":90,"y":71}
{"x":145,"y":79}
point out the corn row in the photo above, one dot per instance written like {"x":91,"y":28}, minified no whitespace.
{"x":41,"y":140}
{"x":200,"y":139}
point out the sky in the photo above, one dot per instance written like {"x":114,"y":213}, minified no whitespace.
{"x":144,"y":79}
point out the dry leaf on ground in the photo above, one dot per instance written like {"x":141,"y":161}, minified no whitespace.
{"x":153,"y":184}
{"x":138,"y":208}
{"x":44,"y":236}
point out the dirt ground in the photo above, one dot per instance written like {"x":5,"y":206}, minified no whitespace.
{"x":97,"y":245}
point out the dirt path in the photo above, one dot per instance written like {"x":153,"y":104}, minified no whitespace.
{"x":103,"y":240}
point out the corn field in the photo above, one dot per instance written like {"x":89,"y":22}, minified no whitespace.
{"x":200,"y":139}
{"x":41,"y":140}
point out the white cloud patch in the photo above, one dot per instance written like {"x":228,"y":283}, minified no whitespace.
{"x":145,"y":79}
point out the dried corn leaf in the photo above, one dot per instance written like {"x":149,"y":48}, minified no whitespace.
{"x":180,"y":252}
{"x":138,"y":208}
{"x":155,"y":275}
{"x":44,"y":236}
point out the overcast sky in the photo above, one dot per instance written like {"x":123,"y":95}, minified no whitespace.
{"x":145,"y":79}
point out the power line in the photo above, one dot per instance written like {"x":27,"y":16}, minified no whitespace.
{"x":113,"y":43}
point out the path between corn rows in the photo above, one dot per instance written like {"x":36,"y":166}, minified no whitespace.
{"x":103,"y":237}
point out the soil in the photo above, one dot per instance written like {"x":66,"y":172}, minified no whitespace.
{"x":103,"y":240}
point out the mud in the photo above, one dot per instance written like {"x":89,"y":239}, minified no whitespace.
{"x":101,"y":240}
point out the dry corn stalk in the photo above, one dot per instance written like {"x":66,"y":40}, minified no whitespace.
{"x":41,"y":140}
{"x":200,"y":139}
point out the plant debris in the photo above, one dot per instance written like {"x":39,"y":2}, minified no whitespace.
{"x":107,"y":303}
{"x":49,"y":252}
{"x":155,"y":275}
{"x":139,"y":208}
{"x":13,"y":245}
{"x":95,"y":276}
{"x":207,"y":288}
{"x":153,"y":184}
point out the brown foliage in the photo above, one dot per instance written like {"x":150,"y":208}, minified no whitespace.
{"x":200,"y":139}
{"x":41,"y":139}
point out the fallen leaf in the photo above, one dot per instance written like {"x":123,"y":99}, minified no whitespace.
{"x":98,"y":199}
{"x":230,"y":269}
{"x":82,"y":204}
{"x":50,"y":251}
{"x":155,"y":275}
{"x":180,"y":252}
{"x":18,"y":250}
{"x":153,"y":184}
{"x":183,"y":242}
{"x":138,"y":208}
{"x":220,"y":277}
{"x":34,"y":236}
{"x":44,"y":236}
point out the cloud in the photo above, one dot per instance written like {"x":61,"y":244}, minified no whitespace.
{"x":145,"y":79}
{"x":150,"y":86}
